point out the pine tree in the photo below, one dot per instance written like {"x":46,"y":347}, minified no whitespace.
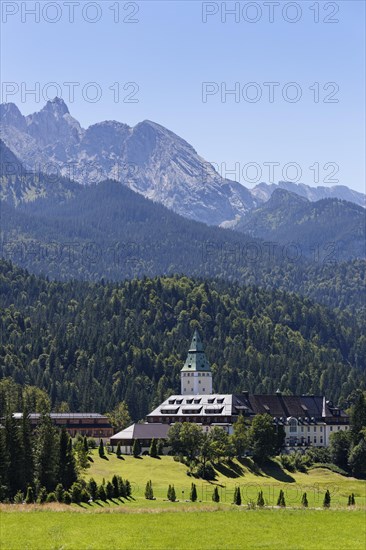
{"x":85,"y":444}
{"x":353,"y":501}
{"x":193,"y":495}
{"x":92,"y":488}
{"x":29,"y":499}
{"x":160,"y":447}
{"x":281,"y":499}
{"x":215,"y":495}
{"x":136,"y":448}
{"x":149,"y":493}
{"x":173,"y":495}
{"x":27,"y":448}
{"x":260,"y":499}
{"x":109,"y":490}
{"x":304,"y":500}
{"x":121,"y":487}
{"x":101,"y":449}
{"x":101,"y":493}
{"x":115,"y":486}
{"x":119,"y":452}
{"x":59,"y":492}
{"x":67,"y":467}
{"x":128,"y":488}
{"x":75,"y":492}
{"x":237,"y":496}
{"x":46,"y":455}
{"x":169,"y":493}
{"x":14,"y":454}
{"x":153,"y":451}
{"x":326,"y":501}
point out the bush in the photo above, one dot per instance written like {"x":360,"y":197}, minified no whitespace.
{"x":149,"y":493}
{"x":75,"y":492}
{"x":42,"y":495}
{"x":51,"y":497}
{"x":59,"y":492}
{"x":67,"y":497}
{"x":171,"y":493}
{"x":19,"y":498}
{"x":304,"y":500}
{"x":118,"y":451}
{"x":92,"y":444}
{"x":29,"y":499}
{"x":84,"y":495}
{"x":313,"y":455}
{"x":357,"y":459}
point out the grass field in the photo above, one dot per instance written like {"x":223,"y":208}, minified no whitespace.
{"x":237,"y":529}
{"x":160,"y":524}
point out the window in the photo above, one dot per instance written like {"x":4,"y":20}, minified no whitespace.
{"x":321,"y":439}
{"x":302,"y":428}
{"x":321,"y":428}
{"x":314,"y":428}
{"x":293,"y":425}
{"x":314,"y":438}
{"x":331,"y":428}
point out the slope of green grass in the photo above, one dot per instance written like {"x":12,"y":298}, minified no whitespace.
{"x":270,"y":529}
{"x":270,"y":479}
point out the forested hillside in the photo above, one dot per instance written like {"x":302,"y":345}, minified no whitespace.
{"x":108,"y":231}
{"x":93,"y":345}
{"x":329,"y":223}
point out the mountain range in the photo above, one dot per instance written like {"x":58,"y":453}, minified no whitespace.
{"x":148,"y":158}
{"x":328,"y":226}
{"x":106,"y":230}
{"x":263,"y":192}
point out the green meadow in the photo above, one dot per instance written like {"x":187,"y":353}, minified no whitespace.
{"x":196,"y":530}
{"x":161,"y":524}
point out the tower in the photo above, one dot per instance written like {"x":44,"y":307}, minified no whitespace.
{"x":195,"y":376}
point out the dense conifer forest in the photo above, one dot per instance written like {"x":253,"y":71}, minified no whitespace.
{"x":92,"y":345}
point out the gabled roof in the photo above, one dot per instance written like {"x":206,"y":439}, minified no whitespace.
{"x":142,"y":431}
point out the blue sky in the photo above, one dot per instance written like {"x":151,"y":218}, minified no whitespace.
{"x":169,"y":52}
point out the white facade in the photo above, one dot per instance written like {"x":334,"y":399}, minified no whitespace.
{"x":196,"y":383}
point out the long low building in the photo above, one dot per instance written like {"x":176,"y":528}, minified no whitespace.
{"x":307,"y":419}
{"x":90,"y":424}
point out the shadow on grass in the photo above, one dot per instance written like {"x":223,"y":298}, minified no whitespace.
{"x":104,"y":457}
{"x":229,"y":469}
{"x":273,"y":469}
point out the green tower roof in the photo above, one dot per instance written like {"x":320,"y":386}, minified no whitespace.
{"x":196,"y":358}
